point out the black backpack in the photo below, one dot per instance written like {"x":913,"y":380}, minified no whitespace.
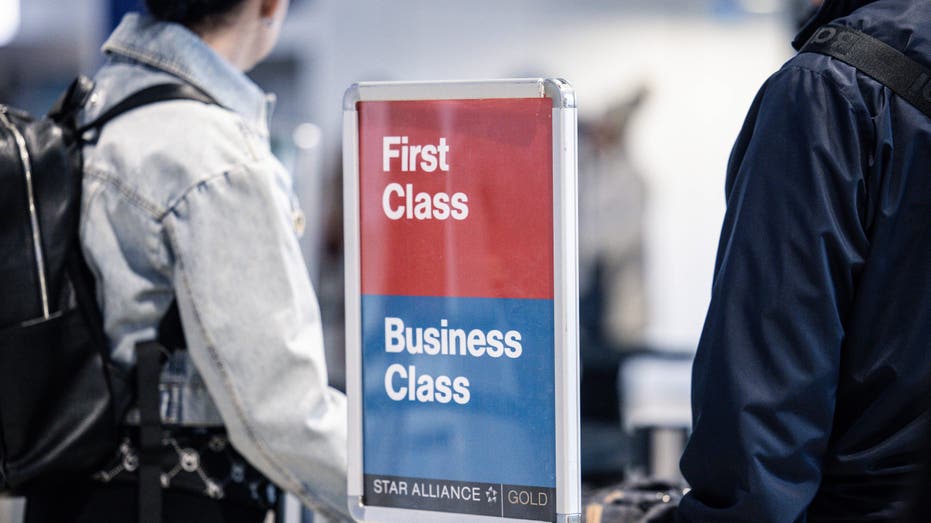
{"x":61,"y":399}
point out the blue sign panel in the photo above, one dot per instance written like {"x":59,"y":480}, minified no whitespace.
{"x":459,"y":392}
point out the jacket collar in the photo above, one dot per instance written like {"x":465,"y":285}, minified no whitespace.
{"x":174,"y":49}
{"x":830,"y":10}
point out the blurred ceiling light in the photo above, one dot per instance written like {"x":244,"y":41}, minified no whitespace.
{"x":763,"y":7}
{"x":307,"y":136}
{"x":9,"y":20}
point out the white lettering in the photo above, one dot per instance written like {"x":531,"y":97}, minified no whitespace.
{"x":514,"y":348}
{"x":393,"y":393}
{"x":392,"y":189}
{"x":424,"y":388}
{"x":402,"y":201}
{"x":394,"y":335}
{"x":387,"y":153}
{"x":426,"y":157}
{"x":443,"y":149}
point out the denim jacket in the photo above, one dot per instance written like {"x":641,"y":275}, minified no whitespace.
{"x":185,"y":200}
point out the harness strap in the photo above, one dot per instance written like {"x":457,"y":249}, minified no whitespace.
{"x":148,"y":368}
{"x":147,"y":96}
{"x":887,"y":65}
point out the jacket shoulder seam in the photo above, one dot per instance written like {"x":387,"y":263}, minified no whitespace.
{"x":860,"y":110}
{"x":841,"y":88}
{"x":201,"y":183}
{"x":131,"y":196}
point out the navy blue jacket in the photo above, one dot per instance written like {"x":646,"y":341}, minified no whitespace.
{"x":812,"y":372}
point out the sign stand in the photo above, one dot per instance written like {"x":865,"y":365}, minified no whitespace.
{"x":462,"y":301}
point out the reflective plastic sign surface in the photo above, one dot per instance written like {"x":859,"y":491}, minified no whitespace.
{"x":456,"y":201}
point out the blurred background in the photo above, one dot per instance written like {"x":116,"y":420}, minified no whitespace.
{"x":662,"y":86}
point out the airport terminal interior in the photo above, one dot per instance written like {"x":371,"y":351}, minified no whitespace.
{"x":662,"y":89}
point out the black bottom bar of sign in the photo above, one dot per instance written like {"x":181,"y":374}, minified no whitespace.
{"x":462,"y":497}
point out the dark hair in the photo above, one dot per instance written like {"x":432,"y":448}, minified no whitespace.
{"x":192,"y":13}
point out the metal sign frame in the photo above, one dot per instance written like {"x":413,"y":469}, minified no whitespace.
{"x":565,"y":284}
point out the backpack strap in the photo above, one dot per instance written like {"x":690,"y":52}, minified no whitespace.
{"x":149,"y":95}
{"x":72,"y":101}
{"x":148,"y":368}
{"x":170,"y":332}
{"x":149,"y":358}
{"x":876,"y":59}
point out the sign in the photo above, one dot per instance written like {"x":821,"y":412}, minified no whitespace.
{"x":453,"y":220}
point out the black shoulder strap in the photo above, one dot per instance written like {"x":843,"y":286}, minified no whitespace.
{"x":878,"y":60}
{"x":170,"y":331}
{"x":72,"y":100}
{"x":148,"y":367}
{"x":150,"y":95}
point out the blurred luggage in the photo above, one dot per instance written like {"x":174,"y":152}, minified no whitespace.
{"x":632,"y":502}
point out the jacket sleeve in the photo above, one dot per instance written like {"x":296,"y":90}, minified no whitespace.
{"x":766,"y":370}
{"x":253,"y":329}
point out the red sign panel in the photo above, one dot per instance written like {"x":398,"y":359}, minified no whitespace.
{"x":456,"y":198}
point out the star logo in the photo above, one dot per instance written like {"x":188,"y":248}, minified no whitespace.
{"x":492,"y":495}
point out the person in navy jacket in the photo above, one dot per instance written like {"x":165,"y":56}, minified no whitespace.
{"x":811,"y":377}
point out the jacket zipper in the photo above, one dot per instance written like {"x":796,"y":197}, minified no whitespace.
{"x":33,"y":213}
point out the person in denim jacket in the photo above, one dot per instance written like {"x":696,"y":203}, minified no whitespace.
{"x":184,"y":200}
